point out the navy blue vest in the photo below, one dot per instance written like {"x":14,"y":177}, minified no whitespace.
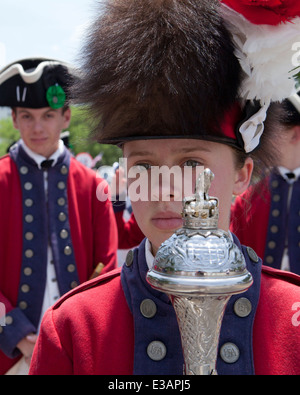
{"x":284,"y":225}
{"x":44,"y":222}
{"x":236,"y":333}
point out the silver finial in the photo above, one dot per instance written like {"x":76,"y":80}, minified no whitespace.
{"x":200,"y":267}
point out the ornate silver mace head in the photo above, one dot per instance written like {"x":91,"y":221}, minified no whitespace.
{"x":200,"y":268}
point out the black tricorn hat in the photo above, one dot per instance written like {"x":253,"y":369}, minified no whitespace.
{"x":35,"y":83}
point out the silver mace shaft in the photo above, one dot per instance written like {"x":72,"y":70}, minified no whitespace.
{"x":200,"y":268}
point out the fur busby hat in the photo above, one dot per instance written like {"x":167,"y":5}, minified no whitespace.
{"x":153,"y":68}
{"x":171,"y":69}
{"x":35,"y":83}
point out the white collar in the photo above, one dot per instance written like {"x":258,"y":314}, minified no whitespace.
{"x":39,"y":158}
{"x":283,"y":171}
{"x":148,"y":254}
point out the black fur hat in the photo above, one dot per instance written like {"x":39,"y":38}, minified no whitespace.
{"x":159,"y":68}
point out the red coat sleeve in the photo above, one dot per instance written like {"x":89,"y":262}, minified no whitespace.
{"x":250,"y":217}
{"x":93,"y":224}
{"x":89,"y":331}
{"x":57,"y":359}
{"x":130,"y":235}
{"x":277,"y":324}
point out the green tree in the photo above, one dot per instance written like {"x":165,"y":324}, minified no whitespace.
{"x":8,"y":135}
{"x":80,"y":138}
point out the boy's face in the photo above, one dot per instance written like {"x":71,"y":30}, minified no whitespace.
{"x":40,"y":128}
{"x":160,"y":215}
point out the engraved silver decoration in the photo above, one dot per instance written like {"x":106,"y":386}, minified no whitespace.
{"x":200,"y":268}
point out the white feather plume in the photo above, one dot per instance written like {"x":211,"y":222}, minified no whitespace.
{"x":266,"y":55}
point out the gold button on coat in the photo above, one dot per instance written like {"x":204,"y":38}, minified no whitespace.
{"x":68,"y":250}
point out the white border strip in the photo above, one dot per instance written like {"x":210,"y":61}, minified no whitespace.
{"x":28,"y":77}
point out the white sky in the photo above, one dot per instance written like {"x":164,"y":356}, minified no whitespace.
{"x":47,"y":28}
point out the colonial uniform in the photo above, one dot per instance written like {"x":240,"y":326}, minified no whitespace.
{"x":129,"y":233}
{"x":167,"y":84}
{"x":136,"y":331}
{"x":54,"y":232}
{"x":267,"y":218}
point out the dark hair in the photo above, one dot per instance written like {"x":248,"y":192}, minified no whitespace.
{"x":290,"y":116}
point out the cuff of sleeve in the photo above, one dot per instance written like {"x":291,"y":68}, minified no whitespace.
{"x":17,"y":326}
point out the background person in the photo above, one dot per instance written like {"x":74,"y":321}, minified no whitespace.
{"x":53,"y":230}
{"x":267,"y":216}
{"x":152,"y":72}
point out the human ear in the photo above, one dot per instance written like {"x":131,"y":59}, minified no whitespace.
{"x":296,"y":134}
{"x":243,"y":177}
{"x":67,"y":118}
{"x":14,"y":118}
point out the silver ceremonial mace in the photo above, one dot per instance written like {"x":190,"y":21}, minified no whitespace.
{"x":200,"y":268}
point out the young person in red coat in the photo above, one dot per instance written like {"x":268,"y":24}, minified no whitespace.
{"x":54,"y":232}
{"x":267,"y":216}
{"x":129,"y":232}
{"x":152,"y":75}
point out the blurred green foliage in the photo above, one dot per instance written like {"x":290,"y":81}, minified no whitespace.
{"x":80,"y":138}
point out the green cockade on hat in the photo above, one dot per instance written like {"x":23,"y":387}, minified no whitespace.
{"x":56,"y":96}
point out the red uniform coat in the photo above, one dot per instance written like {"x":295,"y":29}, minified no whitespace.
{"x":250,"y":217}
{"x":130,"y":235}
{"x":267,"y":219}
{"x":92,"y":224}
{"x":90,"y":331}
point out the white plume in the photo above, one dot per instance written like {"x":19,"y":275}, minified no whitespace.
{"x":266,"y":54}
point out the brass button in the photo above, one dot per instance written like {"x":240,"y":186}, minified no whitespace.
{"x":29,"y":236}
{"x":71,"y":268}
{"x":61,"y":185}
{"x":24,"y":170}
{"x":29,"y":218}
{"x":68,"y":251}
{"x":28,"y":202}
{"x":23,"y":305}
{"x":272,"y":245}
{"x":64,"y":234}
{"x":252,"y":255}
{"x":156,"y":351}
{"x":230,"y":353}
{"x":73,"y":284}
{"x":29,"y":254}
{"x":62,"y":217}
{"x":28,"y":186}
{"x":275,"y":213}
{"x":9,"y":320}
{"x":148,"y":308}
{"x":28,"y":271}
{"x":25,"y":288}
{"x":269,"y":259}
{"x":129,"y":258}
{"x":61,"y":202}
{"x":64,"y":170}
{"x":274,"y":229}
{"x":243,"y":307}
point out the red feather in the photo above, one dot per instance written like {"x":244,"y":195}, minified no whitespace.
{"x":268,"y":12}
